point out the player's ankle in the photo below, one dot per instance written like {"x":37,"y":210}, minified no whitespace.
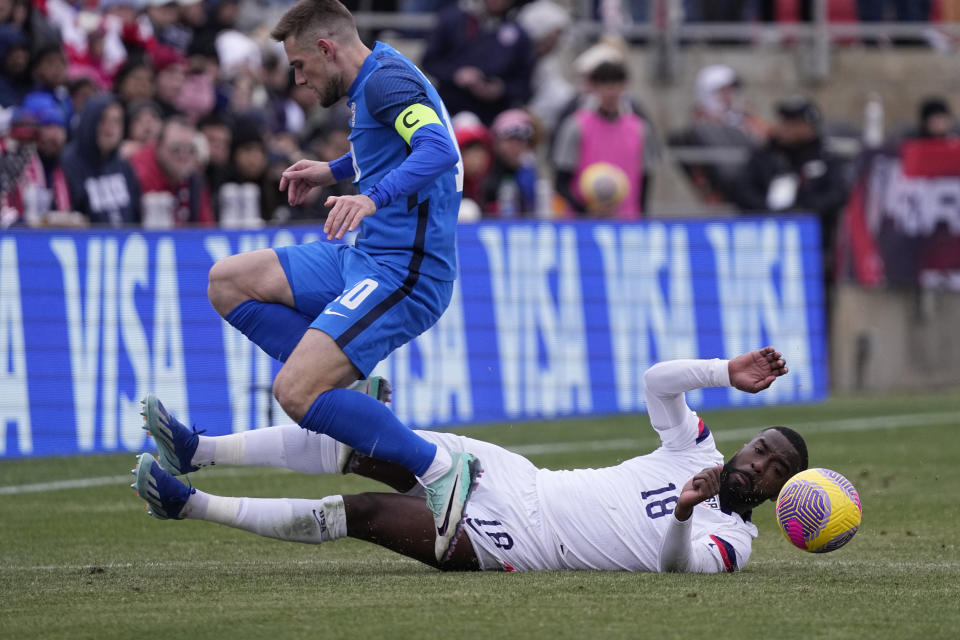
{"x":441,"y":465}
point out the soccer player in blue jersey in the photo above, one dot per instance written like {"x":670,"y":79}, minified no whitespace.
{"x":331,"y":312}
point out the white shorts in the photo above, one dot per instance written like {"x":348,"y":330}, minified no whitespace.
{"x":503,"y":518}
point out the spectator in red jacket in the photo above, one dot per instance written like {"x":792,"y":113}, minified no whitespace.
{"x":171,"y":179}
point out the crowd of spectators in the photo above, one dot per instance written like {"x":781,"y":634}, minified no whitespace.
{"x":164,"y":113}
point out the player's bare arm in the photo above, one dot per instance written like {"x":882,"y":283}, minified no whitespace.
{"x":703,"y":485}
{"x":755,"y":371}
{"x":300,"y":178}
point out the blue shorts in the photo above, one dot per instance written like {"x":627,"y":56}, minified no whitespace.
{"x":368,"y":308}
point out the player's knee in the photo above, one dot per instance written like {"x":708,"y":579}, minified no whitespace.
{"x":222,"y":289}
{"x":289,"y":395}
{"x":296,"y":393}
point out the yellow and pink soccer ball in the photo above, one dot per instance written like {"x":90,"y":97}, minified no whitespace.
{"x":604,"y":186}
{"x":818,"y":510}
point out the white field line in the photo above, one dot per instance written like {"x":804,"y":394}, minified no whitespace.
{"x":903,"y":565}
{"x":104,"y":481}
{"x":620,"y":444}
{"x":200,"y":564}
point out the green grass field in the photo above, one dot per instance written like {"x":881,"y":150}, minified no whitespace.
{"x":88,"y":562}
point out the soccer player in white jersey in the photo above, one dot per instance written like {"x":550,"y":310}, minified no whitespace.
{"x":679,"y":508}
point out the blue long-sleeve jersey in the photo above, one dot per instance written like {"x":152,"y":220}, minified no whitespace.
{"x":404,"y":155}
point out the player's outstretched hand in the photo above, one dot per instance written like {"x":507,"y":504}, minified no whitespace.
{"x":302,"y":177}
{"x":755,"y":371}
{"x":703,"y":485}
{"x":346,"y":214}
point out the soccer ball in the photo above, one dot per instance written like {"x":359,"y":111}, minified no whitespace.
{"x":818,"y":510}
{"x":604,"y":186}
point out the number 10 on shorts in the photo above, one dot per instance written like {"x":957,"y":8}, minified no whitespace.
{"x":357,"y":294}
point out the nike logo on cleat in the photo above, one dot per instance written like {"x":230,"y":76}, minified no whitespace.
{"x":446,"y":520}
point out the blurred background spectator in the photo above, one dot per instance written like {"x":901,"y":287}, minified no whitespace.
{"x":934,"y":119}
{"x":14,"y":65}
{"x":144,"y":121}
{"x":35,"y":184}
{"x":249,"y":197}
{"x":169,"y":174}
{"x":794,"y":171}
{"x":80,"y":90}
{"x":480,"y":58}
{"x":509,"y":189}
{"x":547,"y":23}
{"x":900,"y":10}
{"x":604,"y":128}
{"x":719,"y":120}
{"x":211,"y":64}
{"x":134,"y":81}
{"x":474,"y":141}
{"x":102,"y":184}
{"x":218,"y":139}
{"x":171,"y":72}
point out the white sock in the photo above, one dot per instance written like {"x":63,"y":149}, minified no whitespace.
{"x":440,"y":465}
{"x":295,"y":520}
{"x":288,"y":446}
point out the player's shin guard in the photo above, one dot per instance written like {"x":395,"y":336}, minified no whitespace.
{"x":369,"y":427}
{"x":275,"y":328}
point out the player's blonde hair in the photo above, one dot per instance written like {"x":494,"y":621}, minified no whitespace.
{"x":318,"y":18}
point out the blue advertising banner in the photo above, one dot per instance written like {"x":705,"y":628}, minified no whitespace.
{"x":547,"y":320}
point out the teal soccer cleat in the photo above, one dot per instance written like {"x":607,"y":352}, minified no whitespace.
{"x":176,"y":444}
{"x":165,"y":495}
{"x":447,"y":499}
{"x":377,"y":387}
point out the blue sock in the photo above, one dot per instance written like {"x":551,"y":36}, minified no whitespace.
{"x":369,"y":427}
{"x":275,"y":328}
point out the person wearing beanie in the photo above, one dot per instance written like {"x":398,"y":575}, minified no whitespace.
{"x":474,"y":141}
{"x":935,"y":119}
{"x":170,"y":66}
{"x":509,"y":189}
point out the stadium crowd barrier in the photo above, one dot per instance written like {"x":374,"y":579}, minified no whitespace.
{"x":547,"y":320}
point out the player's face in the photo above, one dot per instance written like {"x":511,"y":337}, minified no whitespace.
{"x":759,"y":470}
{"x":313,"y":68}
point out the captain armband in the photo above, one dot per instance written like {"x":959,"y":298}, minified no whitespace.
{"x":414,"y":117}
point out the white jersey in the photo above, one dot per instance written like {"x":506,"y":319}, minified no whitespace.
{"x":522,"y":518}
{"x":618,"y":518}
